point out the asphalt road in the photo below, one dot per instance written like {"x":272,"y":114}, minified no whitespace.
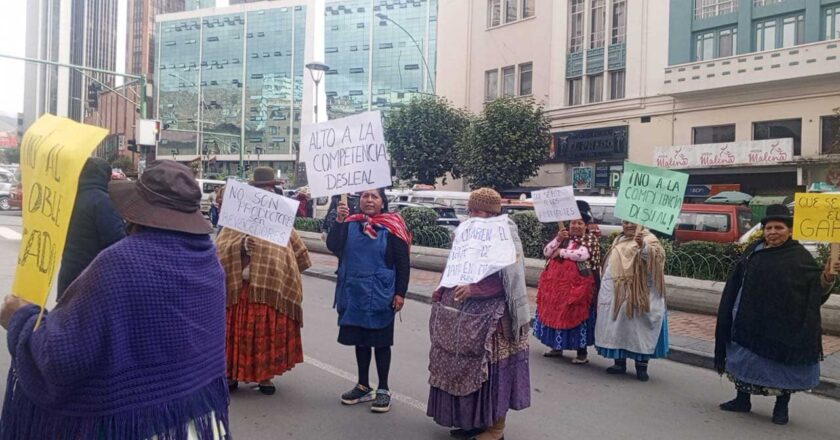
{"x":568,"y":401}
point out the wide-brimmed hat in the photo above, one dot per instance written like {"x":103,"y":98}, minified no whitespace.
{"x":166,"y":196}
{"x":778,"y":213}
{"x":264,"y":176}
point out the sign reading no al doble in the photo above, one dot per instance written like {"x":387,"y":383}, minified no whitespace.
{"x":481,"y":247}
{"x":555,"y":204}
{"x":345,"y":155}
{"x":52,"y":155}
{"x":651,"y":196}
{"x":258,"y":213}
{"x":816,"y":217}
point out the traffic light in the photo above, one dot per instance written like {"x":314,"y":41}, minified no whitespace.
{"x":132,"y":146}
{"x":93,"y":95}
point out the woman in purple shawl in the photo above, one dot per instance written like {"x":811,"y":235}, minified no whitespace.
{"x":136,"y":348}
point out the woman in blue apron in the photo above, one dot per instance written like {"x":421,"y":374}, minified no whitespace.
{"x":373,"y":272}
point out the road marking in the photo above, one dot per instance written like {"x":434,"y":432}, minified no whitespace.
{"x":9,"y":234}
{"x":410,"y":401}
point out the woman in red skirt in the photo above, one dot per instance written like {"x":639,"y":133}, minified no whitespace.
{"x":264,"y":302}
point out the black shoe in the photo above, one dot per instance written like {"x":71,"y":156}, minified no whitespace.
{"x":233,"y":385}
{"x":738,"y":405}
{"x":359,"y":394}
{"x":465,"y":433}
{"x":268,"y":390}
{"x":780,"y":411}
{"x":382,"y":402}
{"x":641,"y":372}
{"x":620,"y":367}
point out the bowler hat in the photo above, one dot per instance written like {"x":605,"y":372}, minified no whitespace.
{"x":264,"y":176}
{"x":778,"y":213}
{"x":166,"y":196}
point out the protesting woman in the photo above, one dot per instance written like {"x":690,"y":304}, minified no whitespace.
{"x":373,"y":273}
{"x":632,"y":318}
{"x":566,"y":295}
{"x":769,"y":337}
{"x":479,"y":357}
{"x":264,"y":298}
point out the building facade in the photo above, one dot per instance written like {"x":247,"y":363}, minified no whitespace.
{"x":738,"y":93}
{"x":381,"y":53}
{"x":230,"y":85}
{"x":140,"y":30}
{"x":116,"y":112}
{"x":80,"y":32}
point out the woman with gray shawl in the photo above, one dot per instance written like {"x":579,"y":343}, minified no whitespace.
{"x":479,"y":356}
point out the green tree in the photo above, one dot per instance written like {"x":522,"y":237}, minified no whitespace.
{"x":11,"y":155}
{"x":504,"y":146}
{"x":422,"y":137}
{"x":124,"y":163}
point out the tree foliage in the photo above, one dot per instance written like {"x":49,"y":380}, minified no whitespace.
{"x":124,"y":163}
{"x":504,"y":146}
{"x":422,"y":137}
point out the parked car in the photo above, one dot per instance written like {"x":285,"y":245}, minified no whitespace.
{"x":716,"y":223}
{"x":7,"y":182}
{"x":207,"y":188}
{"x":446,"y":214}
{"x":16,"y":196}
{"x":603,"y":214}
{"x":811,"y":246}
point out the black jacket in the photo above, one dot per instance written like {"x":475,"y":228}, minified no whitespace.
{"x":94,"y":225}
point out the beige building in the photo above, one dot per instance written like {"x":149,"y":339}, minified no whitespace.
{"x":643,"y":80}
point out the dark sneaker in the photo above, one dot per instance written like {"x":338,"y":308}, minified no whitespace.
{"x":359,"y":394}
{"x":465,"y":433}
{"x":382,"y":403}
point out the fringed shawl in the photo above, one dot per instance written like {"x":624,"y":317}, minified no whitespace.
{"x":516,"y":291}
{"x":632,"y":273}
{"x":135,"y":349}
{"x":275,"y":270}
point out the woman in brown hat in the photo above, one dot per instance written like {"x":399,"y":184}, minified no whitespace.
{"x":479,"y":357}
{"x":264,"y":297}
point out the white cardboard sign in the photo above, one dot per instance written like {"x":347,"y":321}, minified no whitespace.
{"x":257,"y":212}
{"x":481,"y":248}
{"x":556,"y":204}
{"x":345,"y":155}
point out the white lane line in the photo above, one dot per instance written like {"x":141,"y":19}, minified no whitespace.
{"x":410,"y":401}
{"x":9,"y":234}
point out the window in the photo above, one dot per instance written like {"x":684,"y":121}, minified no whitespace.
{"x":758,"y":3}
{"x":765,"y":35}
{"x":511,"y":11}
{"x":793,"y":30}
{"x":596,"y":88}
{"x":574,"y":88}
{"x":704,"y":46}
{"x":509,"y":81}
{"x":597,"y":24}
{"x":830,"y":135}
{"x":707,"y":222}
{"x":528,"y":8}
{"x":576,"y":17}
{"x":727,"y":42}
{"x":715,"y":134}
{"x":788,"y":128}
{"x":831,"y":26}
{"x":712,"y":8}
{"x":491,"y":85}
{"x":619,"y":21}
{"x":494,"y":13}
{"x":605,"y":215}
{"x":617,"y":84}
{"x":526,"y":76}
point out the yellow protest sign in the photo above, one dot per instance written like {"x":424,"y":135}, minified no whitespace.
{"x":816,"y":217}
{"x":52,"y":155}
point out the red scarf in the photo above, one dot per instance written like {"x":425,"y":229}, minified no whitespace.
{"x":391,"y":221}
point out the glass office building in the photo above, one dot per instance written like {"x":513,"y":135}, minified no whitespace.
{"x":232,"y":83}
{"x":381,"y":53}
{"x":192,"y":5}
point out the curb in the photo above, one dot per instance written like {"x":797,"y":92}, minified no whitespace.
{"x":827,"y":387}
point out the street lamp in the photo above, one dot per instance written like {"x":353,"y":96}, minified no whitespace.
{"x":316,"y":70}
{"x":382,"y":16}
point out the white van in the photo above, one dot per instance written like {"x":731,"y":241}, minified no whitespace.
{"x":207,"y":187}
{"x":603,"y":213}
{"x":454,"y":199}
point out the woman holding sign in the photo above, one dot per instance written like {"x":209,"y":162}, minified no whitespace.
{"x":769,"y":337}
{"x":566,"y":295}
{"x":479,"y":357}
{"x":632,"y":318}
{"x":373,"y":273}
{"x":264,"y":299}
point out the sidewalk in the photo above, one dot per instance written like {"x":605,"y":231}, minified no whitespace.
{"x":692,"y":335}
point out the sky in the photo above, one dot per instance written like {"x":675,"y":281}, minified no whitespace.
{"x":12,"y":40}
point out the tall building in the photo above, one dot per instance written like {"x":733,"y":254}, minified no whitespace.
{"x":140,"y":33}
{"x":380,"y":53}
{"x":231,"y":81}
{"x":193,"y":5}
{"x":718,"y":88}
{"x":81,"y":32}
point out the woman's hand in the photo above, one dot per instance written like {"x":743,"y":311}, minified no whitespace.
{"x":342,"y":212}
{"x":639,"y":240}
{"x":10,"y":305}
{"x":827,"y":275}
{"x":399,"y":302}
{"x":562,"y":235}
{"x":462,"y":293}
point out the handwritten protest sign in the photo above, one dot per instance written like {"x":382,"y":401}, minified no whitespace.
{"x":345,"y":155}
{"x":650,"y":196}
{"x":816,"y":217}
{"x":257,"y":212}
{"x":52,"y":155}
{"x":481,"y":247}
{"x":555,"y":204}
